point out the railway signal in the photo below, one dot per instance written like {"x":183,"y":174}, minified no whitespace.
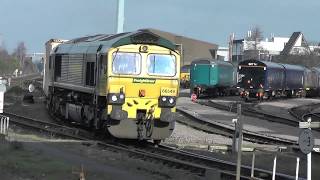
{"x":306,"y":141}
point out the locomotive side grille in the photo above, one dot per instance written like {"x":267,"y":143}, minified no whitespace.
{"x":64,"y":68}
{"x":72,"y":69}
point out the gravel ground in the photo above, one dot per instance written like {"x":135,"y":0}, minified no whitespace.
{"x":188,"y":137}
{"x":111,"y":165}
{"x":29,"y":156}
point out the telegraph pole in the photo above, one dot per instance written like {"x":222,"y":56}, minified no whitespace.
{"x":120,"y":16}
{"x":231,"y":38}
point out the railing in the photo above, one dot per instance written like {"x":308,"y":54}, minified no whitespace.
{"x":4,"y":124}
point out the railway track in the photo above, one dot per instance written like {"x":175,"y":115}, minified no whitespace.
{"x":209,"y":126}
{"x":51,"y":129}
{"x":248,"y":110}
{"x":196,"y":164}
{"x":218,"y":128}
{"x":304,"y":112}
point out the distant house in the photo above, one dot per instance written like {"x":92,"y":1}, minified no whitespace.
{"x":263,"y":50}
{"x":223,"y":53}
{"x":297,"y":45}
{"x":189,"y":48}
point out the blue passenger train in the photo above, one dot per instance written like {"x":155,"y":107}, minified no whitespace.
{"x":264,"y":80}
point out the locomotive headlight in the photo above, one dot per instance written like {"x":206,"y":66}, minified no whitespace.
{"x":167,"y":101}
{"x":114,"y":98}
{"x":171,"y":100}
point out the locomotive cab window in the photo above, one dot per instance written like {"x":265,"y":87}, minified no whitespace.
{"x":161,"y":64}
{"x":126,"y":63}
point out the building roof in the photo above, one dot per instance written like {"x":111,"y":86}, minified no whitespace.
{"x":190,"y":49}
{"x":175,"y":37}
{"x":292,"y":42}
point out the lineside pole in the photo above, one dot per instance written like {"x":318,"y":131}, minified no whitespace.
{"x":252,"y":164}
{"x":309,"y":158}
{"x":297,"y":168}
{"x":274,"y":167}
{"x":239,"y":142}
{"x":309,"y":166}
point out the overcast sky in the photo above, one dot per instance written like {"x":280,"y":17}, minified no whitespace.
{"x":36,"y":21}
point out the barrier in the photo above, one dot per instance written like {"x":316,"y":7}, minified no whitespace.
{"x":4,"y":125}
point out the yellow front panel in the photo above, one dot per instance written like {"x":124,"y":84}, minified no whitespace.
{"x":132,"y":85}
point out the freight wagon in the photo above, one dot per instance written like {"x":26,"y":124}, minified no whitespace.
{"x":212,"y":77}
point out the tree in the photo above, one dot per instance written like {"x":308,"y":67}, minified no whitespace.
{"x":254,"y":36}
{"x":252,"y":41}
{"x":20,"y":53}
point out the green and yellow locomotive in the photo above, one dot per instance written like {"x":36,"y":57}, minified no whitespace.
{"x":125,"y":82}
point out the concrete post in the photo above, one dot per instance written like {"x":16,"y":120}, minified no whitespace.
{"x":309,"y":166}
{"x":274,"y":167}
{"x":252,"y":163}
{"x":297,"y":168}
{"x":239,"y":142}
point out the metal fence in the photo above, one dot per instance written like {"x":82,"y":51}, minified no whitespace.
{"x":4,"y":124}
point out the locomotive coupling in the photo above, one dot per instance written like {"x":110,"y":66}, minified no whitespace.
{"x":117,"y":113}
{"x":166,"y":115}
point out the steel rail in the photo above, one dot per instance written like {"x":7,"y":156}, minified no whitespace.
{"x":197,"y":164}
{"x":199,"y":122}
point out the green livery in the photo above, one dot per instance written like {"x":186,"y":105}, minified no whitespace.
{"x":212,"y":77}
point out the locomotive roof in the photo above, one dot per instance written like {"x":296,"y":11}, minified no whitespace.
{"x":293,"y":67}
{"x":262,"y":63}
{"x":316,"y":69}
{"x":210,"y":61}
{"x":272,"y":64}
{"x":95,"y":43}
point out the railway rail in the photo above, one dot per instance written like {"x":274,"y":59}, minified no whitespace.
{"x":52,"y":129}
{"x":179,"y":159}
{"x":248,"y":110}
{"x":218,"y":128}
{"x":303,"y":112}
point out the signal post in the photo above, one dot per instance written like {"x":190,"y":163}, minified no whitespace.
{"x":306,"y":141}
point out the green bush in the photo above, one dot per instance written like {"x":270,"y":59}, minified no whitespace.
{"x":8,"y":66}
